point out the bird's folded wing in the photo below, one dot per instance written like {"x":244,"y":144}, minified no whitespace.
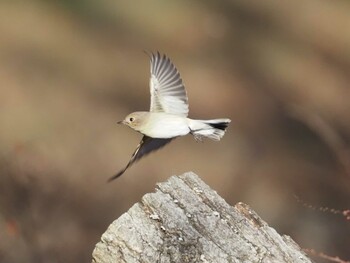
{"x":146,"y":146}
{"x":168,"y":93}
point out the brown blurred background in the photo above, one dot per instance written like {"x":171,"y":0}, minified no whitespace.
{"x":69,"y":70}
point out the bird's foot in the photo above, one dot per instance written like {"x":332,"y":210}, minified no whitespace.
{"x":198,"y":138}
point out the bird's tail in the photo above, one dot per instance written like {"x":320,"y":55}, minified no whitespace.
{"x":212,"y":129}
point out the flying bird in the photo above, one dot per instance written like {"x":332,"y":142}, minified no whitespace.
{"x":167,"y":117}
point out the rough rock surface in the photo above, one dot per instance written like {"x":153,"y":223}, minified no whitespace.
{"x":186,"y":221}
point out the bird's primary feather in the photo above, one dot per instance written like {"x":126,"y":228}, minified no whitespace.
{"x":146,"y":146}
{"x":168,"y":93}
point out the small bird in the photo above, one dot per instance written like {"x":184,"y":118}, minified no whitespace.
{"x":167,"y":118}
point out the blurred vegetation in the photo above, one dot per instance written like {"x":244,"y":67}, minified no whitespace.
{"x":69,"y":70}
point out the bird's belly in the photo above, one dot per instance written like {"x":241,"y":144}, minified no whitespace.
{"x":167,"y":127}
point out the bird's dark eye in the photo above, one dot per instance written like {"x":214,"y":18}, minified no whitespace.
{"x":131,"y":119}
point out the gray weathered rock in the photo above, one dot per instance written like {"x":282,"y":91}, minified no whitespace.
{"x":186,"y":221}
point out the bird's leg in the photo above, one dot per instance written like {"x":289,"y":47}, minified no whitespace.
{"x":198,"y":138}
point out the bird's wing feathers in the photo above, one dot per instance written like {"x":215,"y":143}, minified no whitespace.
{"x":168,"y":93}
{"x":146,"y":146}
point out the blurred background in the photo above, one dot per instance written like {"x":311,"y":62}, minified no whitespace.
{"x":69,"y":70}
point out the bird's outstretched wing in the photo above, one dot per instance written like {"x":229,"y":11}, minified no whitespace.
{"x":168,"y":93}
{"x":146,"y":146}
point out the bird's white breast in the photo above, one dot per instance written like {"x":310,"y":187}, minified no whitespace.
{"x":163,"y":125}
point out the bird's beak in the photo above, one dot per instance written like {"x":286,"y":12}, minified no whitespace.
{"x":120,"y":122}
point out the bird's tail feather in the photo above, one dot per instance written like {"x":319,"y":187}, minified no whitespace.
{"x":212,"y":129}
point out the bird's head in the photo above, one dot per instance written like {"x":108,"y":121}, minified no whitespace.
{"x":135,"y":120}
